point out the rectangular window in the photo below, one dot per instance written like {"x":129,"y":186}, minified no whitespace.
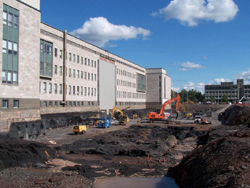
{"x":85,"y":75}
{"x":77,"y":73}
{"x":95,"y":91}
{"x":92,"y":63}
{"x":46,"y":58}
{"x":85,"y":61}
{"x":82,"y":60}
{"x":69,"y":89}
{"x":85,"y":91}
{"x":92,"y":76}
{"x":60,"y":89}
{"x":55,"y":69}
{"x":77,"y":90}
{"x":55,"y":88}
{"x":61,"y":54}
{"x":88,"y":62}
{"x":16,"y":104}
{"x":56,"y":103}
{"x":95,"y":64}
{"x":55,"y":52}
{"x":4,"y":17}
{"x":74,"y":58}
{"x":44,"y":87}
{"x":74,"y":90}
{"x":4,"y":103}
{"x":81,"y":74}
{"x":95,"y":77}
{"x":60,"y":71}
{"x":141,"y":82}
{"x":78,"y":59}
{"x":88,"y":76}
{"x":88,"y":91}
{"x":50,"y":103}
{"x":44,"y":103}
{"x":50,"y":87}
{"x":70,"y":56}
{"x":70,"y":72}
{"x":74,"y":73}
{"x":81,"y":90}
{"x":92,"y":92}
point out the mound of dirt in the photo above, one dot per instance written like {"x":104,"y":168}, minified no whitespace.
{"x":224,"y":162}
{"x":162,"y":147}
{"x":237,"y":115}
{"x":15,"y":152}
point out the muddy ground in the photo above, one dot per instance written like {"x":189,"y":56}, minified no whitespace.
{"x":179,"y":149}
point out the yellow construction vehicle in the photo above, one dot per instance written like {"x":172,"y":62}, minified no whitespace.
{"x":119,"y":115}
{"x":185,"y":114}
{"x":79,"y":129}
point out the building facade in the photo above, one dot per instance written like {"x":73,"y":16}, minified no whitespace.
{"x":234,"y":91}
{"x":45,"y":70}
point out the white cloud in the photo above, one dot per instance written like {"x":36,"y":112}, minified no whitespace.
{"x":218,"y":81}
{"x":244,"y":75}
{"x":176,"y":89}
{"x":190,"y":66}
{"x":190,"y":12}
{"x":191,"y":85}
{"x":100,"y":31}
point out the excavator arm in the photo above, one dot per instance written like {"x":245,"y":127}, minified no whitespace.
{"x":177,"y":99}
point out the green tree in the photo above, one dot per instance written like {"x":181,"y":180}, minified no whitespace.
{"x":225,"y":98}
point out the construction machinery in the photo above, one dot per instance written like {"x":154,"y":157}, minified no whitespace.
{"x":185,"y":113}
{"x":104,"y":122}
{"x":162,"y":116}
{"x":119,"y":115}
{"x":79,"y":129}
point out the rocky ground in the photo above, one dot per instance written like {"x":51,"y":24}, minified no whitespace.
{"x":195,"y":155}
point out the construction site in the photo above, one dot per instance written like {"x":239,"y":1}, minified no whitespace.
{"x":196,"y":145}
{"x":73,"y":114}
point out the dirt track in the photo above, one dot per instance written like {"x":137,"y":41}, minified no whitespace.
{"x":132,"y":150}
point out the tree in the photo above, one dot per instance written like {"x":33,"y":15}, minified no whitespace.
{"x":225,"y":98}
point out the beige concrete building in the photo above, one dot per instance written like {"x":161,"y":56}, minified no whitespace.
{"x":45,"y":70}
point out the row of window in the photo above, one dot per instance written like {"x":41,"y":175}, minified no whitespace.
{"x":5,"y":104}
{"x":10,"y":19}
{"x":125,"y":83}
{"x":69,"y":103}
{"x":215,"y":92}
{"x":125,"y":94}
{"x":9,"y":47}
{"x":71,"y":90}
{"x":76,"y":73}
{"x":76,"y":58}
{"x":89,"y":50}
{"x":125,"y":73}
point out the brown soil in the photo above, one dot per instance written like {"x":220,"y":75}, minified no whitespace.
{"x":216,"y":156}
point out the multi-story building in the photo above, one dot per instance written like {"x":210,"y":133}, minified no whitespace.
{"x":234,"y":91}
{"x":45,"y":70}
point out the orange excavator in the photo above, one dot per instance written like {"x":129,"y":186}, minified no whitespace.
{"x":161,"y":116}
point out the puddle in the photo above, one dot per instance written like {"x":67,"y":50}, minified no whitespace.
{"x":135,"y":182}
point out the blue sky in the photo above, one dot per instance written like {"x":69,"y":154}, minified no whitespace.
{"x":197,"y":42}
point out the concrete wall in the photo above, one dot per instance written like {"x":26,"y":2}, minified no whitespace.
{"x":107,"y":85}
{"x":33,"y":3}
{"x":29,"y":53}
{"x":156,"y":85}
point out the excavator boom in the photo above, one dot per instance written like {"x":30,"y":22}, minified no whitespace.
{"x":161,"y":116}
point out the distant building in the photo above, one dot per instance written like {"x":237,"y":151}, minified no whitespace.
{"x":45,"y":70}
{"x":234,"y":91}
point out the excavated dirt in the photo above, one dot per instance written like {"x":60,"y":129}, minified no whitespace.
{"x":208,"y":155}
{"x":224,"y":162}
